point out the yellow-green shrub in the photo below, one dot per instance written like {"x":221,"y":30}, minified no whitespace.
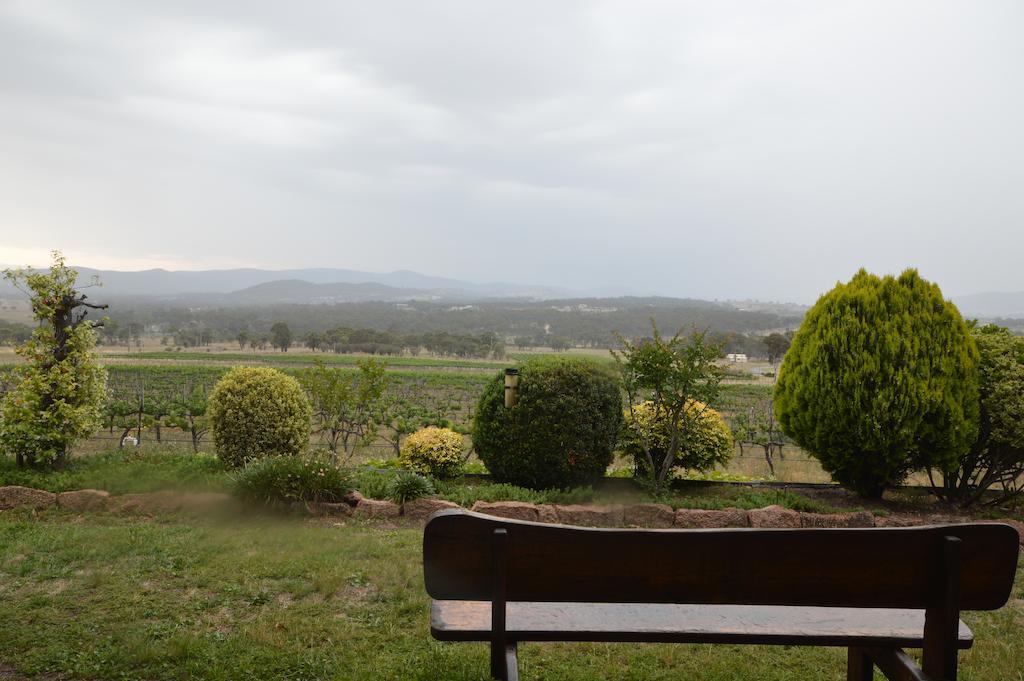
{"x":256,"y":412}
{"x":705,"y":439}
{"x":433,"y":450}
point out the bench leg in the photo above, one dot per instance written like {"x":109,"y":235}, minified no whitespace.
{"x":858,"y":665}
{"x":505,"y":663}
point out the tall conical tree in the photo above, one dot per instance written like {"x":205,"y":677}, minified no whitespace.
{"x":881,"y":380}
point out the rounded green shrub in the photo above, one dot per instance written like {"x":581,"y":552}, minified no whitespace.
{"x":881,"y":379}
{"x":705,"y":439}
{"x":434,"y":451}
{"x":256,"y":412}
{"x":280,"y":480}
{"x":561,"y":432}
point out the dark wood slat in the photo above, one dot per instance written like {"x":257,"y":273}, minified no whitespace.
{"x":876,"y":567}
{"x":940,"y":624}
{"x":858,"y":665}
{"x":657,"y":622}
{"x":898,"y":666}
{"x":499,"y":639}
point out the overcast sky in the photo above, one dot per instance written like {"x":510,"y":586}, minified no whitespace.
{"x":706,"y":149}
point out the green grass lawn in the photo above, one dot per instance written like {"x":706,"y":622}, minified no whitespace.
{"x":102,"y":597}
{"x":168,"y":468}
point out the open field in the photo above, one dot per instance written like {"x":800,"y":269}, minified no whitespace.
{"x":102,"y":597}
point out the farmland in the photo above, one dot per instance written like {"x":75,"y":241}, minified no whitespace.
{"x":144,"y":385}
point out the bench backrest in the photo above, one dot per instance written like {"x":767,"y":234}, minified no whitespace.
{"x":872,"y":567}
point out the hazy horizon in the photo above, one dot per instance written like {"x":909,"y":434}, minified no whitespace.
{"x":679,"y":149}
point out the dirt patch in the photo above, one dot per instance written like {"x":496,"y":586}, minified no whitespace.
{"x":8,"y":673}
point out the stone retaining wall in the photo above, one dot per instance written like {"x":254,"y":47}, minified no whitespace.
{"x":356,"y":506}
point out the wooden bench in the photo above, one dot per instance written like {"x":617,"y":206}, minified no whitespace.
{"x":873,"y":591}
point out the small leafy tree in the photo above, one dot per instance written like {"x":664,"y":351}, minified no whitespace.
{"x":881,"y":380}
{"x":346,"y":404}
{"x":756,"y":426}
{"x":677,"y":380}
{"x":188,"y":412}
{"x":996,"y":459}
{"x":775,"y":345}
{"x":402,"y":410}
{"x":59,"y":392}
{"x":281,"y":336}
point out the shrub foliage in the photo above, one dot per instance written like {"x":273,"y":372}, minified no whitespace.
{"x":434,"y":451}
{"x":881,"y":379}
{"x":256,"y":412}
{"x":708,"y":441}
{"x":996,"y":459}
{"x":561,"y":432}
{"x":281,"y":480}
{"x":672,"y":376}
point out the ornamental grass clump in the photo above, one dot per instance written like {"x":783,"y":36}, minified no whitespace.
{"x":406,"y":486}
{"x":434,"y":451}
{"x":256,"y":412}
{"x":281,"y":480}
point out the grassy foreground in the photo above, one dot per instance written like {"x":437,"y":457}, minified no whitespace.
{"x":102,"y":597}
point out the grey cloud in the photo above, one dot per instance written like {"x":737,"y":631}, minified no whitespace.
{"x":695,"y":149}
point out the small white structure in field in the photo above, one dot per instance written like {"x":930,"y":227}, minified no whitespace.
{"x":737,"y":357}
{"x":129,"y":440}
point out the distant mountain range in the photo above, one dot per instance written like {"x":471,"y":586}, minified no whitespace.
{"x":255,"y":286}
{"x":247,"y":287}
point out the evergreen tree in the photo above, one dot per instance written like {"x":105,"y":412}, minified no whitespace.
{"x":881,"y":379}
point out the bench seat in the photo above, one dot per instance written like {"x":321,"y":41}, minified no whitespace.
{"x":670,"y":623}
{"x":874,"y":591}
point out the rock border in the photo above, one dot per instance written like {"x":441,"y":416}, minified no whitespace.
{"x":357,"y":507}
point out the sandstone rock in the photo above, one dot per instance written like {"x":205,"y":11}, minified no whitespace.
{"x":773,"y":516}
{"x":546,"y":513}
{"x":332,"y":509}
{"x":593,"y":516}
{"x":14,"y":496}
{"x":372,"y":508}
{"x":898,"y":521}
{"x":421,"y":509}
{"x":649,"y":515}
{"x":83,"y":500}
{"x":709,"y":519}
{"x":856,"y":519}
{"x":516,"y":510}
{"x":352,"y":498}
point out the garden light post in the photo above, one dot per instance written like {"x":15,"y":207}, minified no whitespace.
{"x":511,"y":387}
